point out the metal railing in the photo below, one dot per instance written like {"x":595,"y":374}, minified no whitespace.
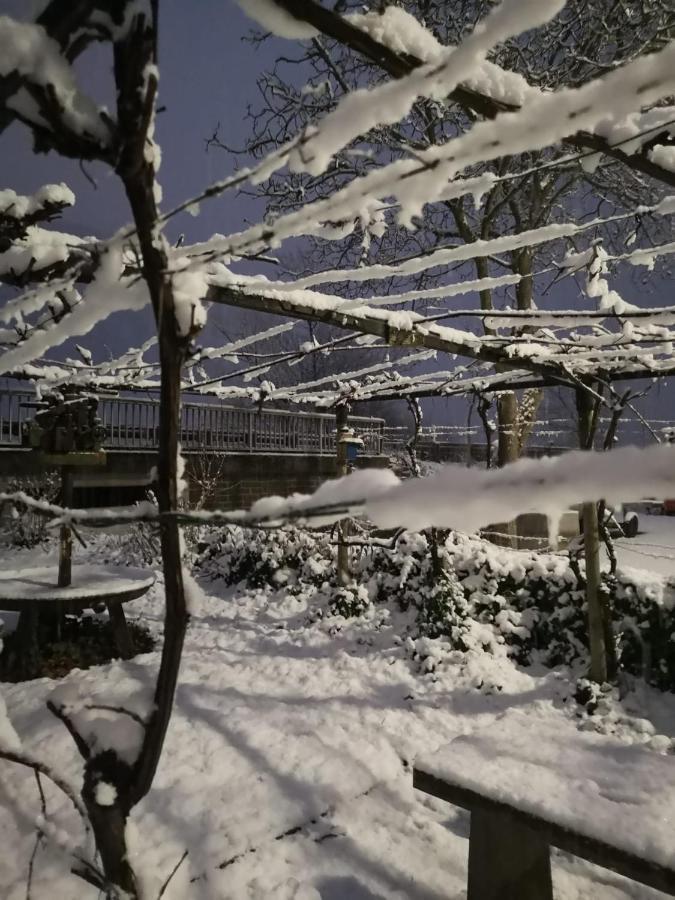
{"x":132,"y":423}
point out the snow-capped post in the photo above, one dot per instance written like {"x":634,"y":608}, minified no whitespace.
{"x":341,"y":426}
{"x":587,"y":412}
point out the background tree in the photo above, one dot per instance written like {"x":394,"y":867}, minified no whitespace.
{"x":584,"y":41}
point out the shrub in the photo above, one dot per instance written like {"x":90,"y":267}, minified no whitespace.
{"x":487,"y":596}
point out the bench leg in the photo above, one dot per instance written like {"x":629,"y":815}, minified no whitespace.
{"x":507,"y":861}
{"x":123,"y":639}
{"x":25,"y":659}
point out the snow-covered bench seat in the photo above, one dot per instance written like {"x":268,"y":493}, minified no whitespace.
{"x":533,"y":782}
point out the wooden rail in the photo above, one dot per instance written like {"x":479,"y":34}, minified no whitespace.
{"x":509,"y":849}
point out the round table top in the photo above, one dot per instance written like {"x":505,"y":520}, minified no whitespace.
{"x":90,"y":585}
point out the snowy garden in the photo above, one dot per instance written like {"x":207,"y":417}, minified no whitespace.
{"x":419,"y":679}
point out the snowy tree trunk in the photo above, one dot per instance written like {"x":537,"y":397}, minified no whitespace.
{"x":508,"y":445}
{"x":341,"y":418}
{"x":596,"y":630}
{"x":508,"y":449}
{"x":594,"y":605}
{"x":108,"y":824}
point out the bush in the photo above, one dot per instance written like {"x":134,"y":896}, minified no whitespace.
{"x":487,"y":596}
{"x":27,"y":528}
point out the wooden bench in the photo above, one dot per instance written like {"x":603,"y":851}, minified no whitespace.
{"x":530,"y":784}
{"x":28,"y":591}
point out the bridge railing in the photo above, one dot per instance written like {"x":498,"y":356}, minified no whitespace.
{"x":133,"y":424}
{"x":13,"y":412}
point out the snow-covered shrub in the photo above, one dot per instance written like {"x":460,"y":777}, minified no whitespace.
{"x":259,"y":558}
{"x":644,"y":617}
{"x":26,"y":528}
{"x":526,"y":604}
{"x":136,"y":546}
{"x":352,"y":600}
{"x":444,"y":610}
{"x":538,"y":607}
{"x":533,"y":599}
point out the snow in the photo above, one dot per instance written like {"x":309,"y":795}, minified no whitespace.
{"x":403,"y":33}
{"x":28,"y":50}
{"x":105,"y":794}
{"x":637,"y":128}
{"x":108,"y":293}
{"x":9,"y":739}
{"x":663,"y":155}
{"x":653,"y":548}
{"x":189,"y":289}
{"x":277,"y":20}
{"x":89,"y":582}
{"x":38,"y":247}
{"x":364,"y":109}
{"x":448,"y":255}
{"x":400,"y":31}
{"x":17,"y":206}
{"x":598,"y":787}
{"x":286,"y":771}
{"x":107,"y":716}
{"x":470,"y":499}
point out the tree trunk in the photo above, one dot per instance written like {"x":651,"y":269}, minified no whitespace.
{"x":341,"y":419}
{"x":108,"y":820}
{"x":108,"y":824}
{"x":594,"y":601}
{"x":508,"y":445}
{"x":508,"y":450}
{"x":136,"y":81}
{"x":596,"y":628}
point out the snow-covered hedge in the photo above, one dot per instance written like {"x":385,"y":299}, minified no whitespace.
{"x":529,"y":604}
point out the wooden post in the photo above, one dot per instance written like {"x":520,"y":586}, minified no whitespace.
{"x":596,"y":630}
{"x":341,"y":418}
{"x":66,"y":545}
{"x":507,"y":860}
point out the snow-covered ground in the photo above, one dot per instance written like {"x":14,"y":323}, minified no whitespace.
{"x":286,"y":769}
{"x":653,"y":548}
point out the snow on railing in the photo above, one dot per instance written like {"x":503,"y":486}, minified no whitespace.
{"x":132,"y":423}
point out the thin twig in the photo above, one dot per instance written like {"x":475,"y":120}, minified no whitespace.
{"x":171,"y":874}
{"x":38,"y":837}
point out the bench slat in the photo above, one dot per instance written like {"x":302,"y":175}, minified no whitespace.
{"x":596,"y":851}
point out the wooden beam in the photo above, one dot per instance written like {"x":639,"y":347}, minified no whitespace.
{"x":380,"y":323}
